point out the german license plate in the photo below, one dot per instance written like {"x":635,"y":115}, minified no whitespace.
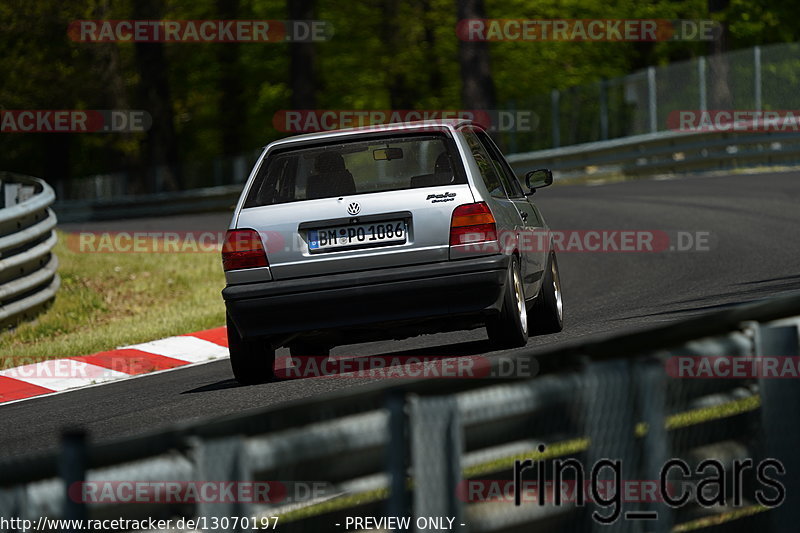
{"x":357,"y":235}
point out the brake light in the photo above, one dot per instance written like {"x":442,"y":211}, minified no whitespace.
{"x":472,"y":223}
{"x":243,"y":249}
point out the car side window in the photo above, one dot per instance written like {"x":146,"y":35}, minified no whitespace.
{"x":489,"y":173}
{"x":503,"y":169}
{"x":277,"y":187}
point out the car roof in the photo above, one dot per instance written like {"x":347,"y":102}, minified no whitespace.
{"x":437,"y":124}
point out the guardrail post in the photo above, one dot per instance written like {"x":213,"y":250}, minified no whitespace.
{"x":436,"y":447}
{"x":780,"y":400}
{"x":397,"y":454}
{"x":223,"y":460}
{"x":72,"y":466}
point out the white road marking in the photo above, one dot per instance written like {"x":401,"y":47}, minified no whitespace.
{"x":189,"y":349}
{"x":62,"y":374}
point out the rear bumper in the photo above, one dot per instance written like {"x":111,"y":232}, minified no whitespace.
{"x":358,"y":299}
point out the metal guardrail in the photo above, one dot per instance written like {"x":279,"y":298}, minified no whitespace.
{"x":408,"y":449}
{"x":28,"y":277}
{"x":221,"y":198}
{"x":665,"y":152}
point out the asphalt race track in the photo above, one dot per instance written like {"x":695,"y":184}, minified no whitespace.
{"x":754,"y":253}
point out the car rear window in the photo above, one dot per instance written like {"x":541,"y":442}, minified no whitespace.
{"x":356,"y":167}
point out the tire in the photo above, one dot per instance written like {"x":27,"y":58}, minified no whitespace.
{"x":509,"y":329}
{"x":547,"y":312}
{"x":252,"y":360}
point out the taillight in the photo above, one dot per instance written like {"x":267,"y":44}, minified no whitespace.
{"x":472,"y":223}
{"x":243,"y":249}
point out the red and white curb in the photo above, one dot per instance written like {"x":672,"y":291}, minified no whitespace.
{"x":57,"y":375}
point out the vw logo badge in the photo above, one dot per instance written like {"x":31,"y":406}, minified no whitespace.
{"x":353,"y":209}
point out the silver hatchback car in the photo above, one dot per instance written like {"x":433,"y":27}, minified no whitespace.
{"x":385,"y":232}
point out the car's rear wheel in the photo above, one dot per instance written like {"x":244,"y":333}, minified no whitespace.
{"x":547,"y":311}
{"x":252,"y":360}
{"x":509,"y":329}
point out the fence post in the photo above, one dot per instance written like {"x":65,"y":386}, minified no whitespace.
{"x":780,"y":399}
{"x":397,"y":454}
{"x":72,"y":468}
{"x":701,"y":77}
{"x":555,"y":117}
{"x":436,"y":447}
{"x":14,"y":504}
{"x":607,"y":397}
{"x":218,"y":172}
{"x":757,"y":76}
{"x":512,"y":135}
{"x":604,"y":109}
{"x":223,"y":460}
{"x":651,"y":390}
{"x":239,"y":169}
{"x":651,"y":98}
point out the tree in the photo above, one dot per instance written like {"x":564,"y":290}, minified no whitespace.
{"x":477,"y":87}
{"x":231,"y":105}
{"x":161,"y":144}
{"x":302,"y":74}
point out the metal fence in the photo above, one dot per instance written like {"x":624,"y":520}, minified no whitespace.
{"x":759,"y":78}
{"x":28,"y":278}
{"x":762,"y":78}
{"x":433,"y":448}
{"x":665,"y":153}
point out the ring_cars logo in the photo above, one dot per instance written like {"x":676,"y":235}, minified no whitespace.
{"x":443,"y":197}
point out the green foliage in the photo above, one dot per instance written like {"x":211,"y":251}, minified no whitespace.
{"x":384,"y":54}
{"x":108,"y":300}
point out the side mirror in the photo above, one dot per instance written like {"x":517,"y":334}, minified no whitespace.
{"x":536,"y":179}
